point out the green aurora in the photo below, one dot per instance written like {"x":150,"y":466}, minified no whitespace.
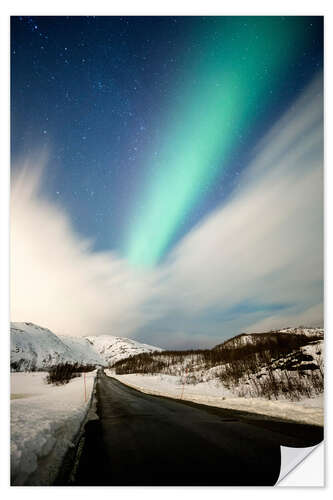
{"x":228,"y":87}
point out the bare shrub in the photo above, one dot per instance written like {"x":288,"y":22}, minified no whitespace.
{"x":267,"y":367}
{"x":61,"y":374}
{"x":284,"y":384}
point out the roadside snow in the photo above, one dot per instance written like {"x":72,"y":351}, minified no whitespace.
{"x":210,"y":393}
{"x":44,"y":422}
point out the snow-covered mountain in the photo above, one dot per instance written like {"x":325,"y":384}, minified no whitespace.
{"x":112,"y":349}
{"x":82,"y":351}
{"x":302,"y":330}
{"x":36,"y":348}
{"x":255,"y":338}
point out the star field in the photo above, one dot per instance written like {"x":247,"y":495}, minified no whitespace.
{"x":120,"y":105}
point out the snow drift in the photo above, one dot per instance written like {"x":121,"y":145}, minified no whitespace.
{"x":45,"y":421}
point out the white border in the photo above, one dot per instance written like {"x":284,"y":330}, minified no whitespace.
{"x":142,"y":7}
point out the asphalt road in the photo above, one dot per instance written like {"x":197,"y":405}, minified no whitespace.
{"x":143,"y":440}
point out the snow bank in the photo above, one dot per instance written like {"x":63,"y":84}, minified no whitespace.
{"x":309,"y":411}
{"x":44,"y":422}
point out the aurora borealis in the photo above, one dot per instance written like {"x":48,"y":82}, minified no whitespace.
{"x":228,"y":88}
{"x":179,"y":155}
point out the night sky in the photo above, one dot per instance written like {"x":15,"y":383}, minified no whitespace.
{"x":148,"y":124}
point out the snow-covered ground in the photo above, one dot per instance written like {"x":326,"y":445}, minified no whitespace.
{"x":214,"y":394}
{"x":45,"y":420}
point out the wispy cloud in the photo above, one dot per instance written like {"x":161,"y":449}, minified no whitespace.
{"x":56,"y":278}
{"x":257,"y":260}
{"x":313,"y":316}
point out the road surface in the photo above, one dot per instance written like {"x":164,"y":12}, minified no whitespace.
{"x":144,"y":440}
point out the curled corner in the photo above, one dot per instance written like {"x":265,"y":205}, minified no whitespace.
{"x":292,"y":457}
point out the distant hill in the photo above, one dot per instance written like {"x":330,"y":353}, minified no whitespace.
{"x":36,"y":348}
{"x":268,"y":337}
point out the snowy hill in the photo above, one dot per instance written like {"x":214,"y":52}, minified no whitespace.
{"x":265,"y":337}
{"x":82,"y":350}
{"x":284,"y":364}
{"x":36,"y":348}
{"x":112,"y":349}
{"x":301,"y":330}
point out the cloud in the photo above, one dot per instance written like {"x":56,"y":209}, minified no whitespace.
{"x":57,"y":280}
{"x":313,"y":316}
{"x":256,"y":262}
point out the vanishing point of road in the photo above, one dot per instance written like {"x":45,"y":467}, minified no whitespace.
{"x":145,"y":440}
